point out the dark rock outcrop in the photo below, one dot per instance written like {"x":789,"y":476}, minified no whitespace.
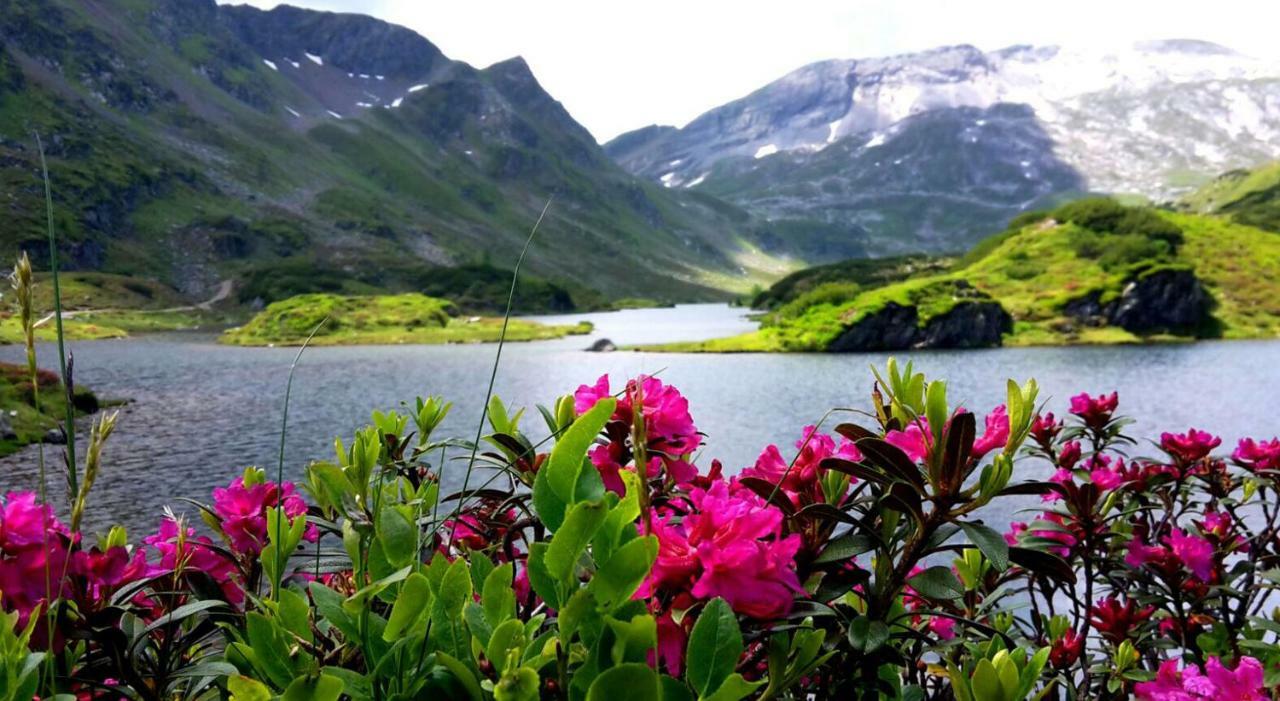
{"x":969,"y":324}
{"x":602,"y":345}
{"x":1163,"y":300}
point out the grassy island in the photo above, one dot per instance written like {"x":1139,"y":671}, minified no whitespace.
{"x":381,"y":319}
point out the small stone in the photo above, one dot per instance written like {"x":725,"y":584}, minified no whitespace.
{"x":602,"y":345}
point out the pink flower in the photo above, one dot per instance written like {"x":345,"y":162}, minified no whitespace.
{"x":911,"y":441}
{"x":1045,"y":429}
{"x":1258,"y":455}
{"x":243,"y":510}
{"x":186,"y":552}
{"x":1190,"y":446}
{"x":1139,"y":553}
{"x":672,"y":638}
{"x":1195,"y":553}
{"x":1095,"y":411}
{"x":995,"y":435}
{"x":1016,"y":529}
{"x":669,"y":430}
{"x":1105,"y":474}
{"x":731,"y":546}
{"x":32,"y":543}
{"x":942,"y":627}
{"x":1245,"y":683}
{"x":801,"y":479}
{"x":1168,"y":684}
{"x":1069,"y":455}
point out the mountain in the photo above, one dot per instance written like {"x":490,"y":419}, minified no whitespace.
{"x":298,"y":151}
{"x":1091,"y":271}
{"x":930,"y":151}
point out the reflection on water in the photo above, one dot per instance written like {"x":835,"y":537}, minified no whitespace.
{"x":202,"y":412}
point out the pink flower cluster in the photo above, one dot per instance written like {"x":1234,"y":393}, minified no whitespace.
{"x":1258,"y":455}
{"x":33,"y":554}
{"x":1189,"y":447}
{"x":915,"y":440}
{"x":182,"y":551}
{"x":243,"y":508}
{"x":1095,"y":411}
{"x":801,"y":479}
{"x":1180,"y":550}
{"x":1217,"y":682}
{"x":729,"y":545}
{"x":670,"y":434}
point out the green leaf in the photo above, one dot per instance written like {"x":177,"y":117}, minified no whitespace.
{"x":991,"y":543}
{"x":507,"y":636}
{"x":734,"y":688}
{"x":570,"y":542}
{"x":398,"y":537}
{"x":634,"y":639}
{"x":448,"y":629}
{"x":462,"y":674}
{"x":555,"y":488}
{"x":849,"y":545}
{"x":411,"y":604}
{"x":937,"y":583}
{"x":616,"y":580}
{"x":497,"y":597}
{"x":867,"y":635}
{"x":715,"y":644}
{"x":986,"y":683}
{"x":321,"y":687}
{"x":626,"y":682}
{"x":544,"y":585}
{"x":295,"y":614}
{"x":245,"y":689}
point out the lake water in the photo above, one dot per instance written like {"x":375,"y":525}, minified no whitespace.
{"x":201,"y":412}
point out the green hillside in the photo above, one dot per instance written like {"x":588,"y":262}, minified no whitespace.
{"x":1092,"y":271}
{"x":1247,"y":196}
{"x":381,"y":319}
{"x":192,"y":143}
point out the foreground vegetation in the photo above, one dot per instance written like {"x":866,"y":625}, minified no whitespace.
{"x":602,"y":561}
{"x":1043,"y":271}
{"x":381,"y":319}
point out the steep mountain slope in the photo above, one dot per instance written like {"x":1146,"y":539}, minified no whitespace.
{"x":929,"y":151}
{"x":1091,"y":271}
{"x":294,"y":151}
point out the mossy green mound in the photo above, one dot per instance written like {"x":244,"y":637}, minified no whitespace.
{"x":21,"y":423}
{"x":1043,"y":264}
{"x":381,"y":319}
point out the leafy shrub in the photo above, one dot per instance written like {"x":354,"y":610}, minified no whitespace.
{"x":1106,"y":216}
{"x":855,"y":566}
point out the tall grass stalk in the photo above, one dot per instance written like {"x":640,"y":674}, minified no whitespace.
{"x":284,"y":432}
{"x":497,"y":360}
{"x":22,"y":281}
{"x":73,"y":487}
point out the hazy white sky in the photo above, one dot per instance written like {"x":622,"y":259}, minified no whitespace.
{"x":617,"y":66}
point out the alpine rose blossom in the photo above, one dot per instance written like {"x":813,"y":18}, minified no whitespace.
{"x":801,"y":478}
{"x":730,"y":546}
{"x":1095,"y":411}
{"x":1258,"y":455}
{"x":243,"y":511}
{"x":995,"y":435}
{"x":1172,"y":683}
{"x":669,"y":430}
{"x":911,"y":440}
{"x":1190,"y":446}
{"x":32,"y":540}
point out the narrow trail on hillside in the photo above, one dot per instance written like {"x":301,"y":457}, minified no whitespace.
{"x":223,"y":291}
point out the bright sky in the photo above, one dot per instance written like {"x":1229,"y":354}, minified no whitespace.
{"x":619,"y":65}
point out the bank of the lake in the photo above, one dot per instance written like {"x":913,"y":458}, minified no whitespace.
{"x":202,"y":411}
{"x":410,"y":318}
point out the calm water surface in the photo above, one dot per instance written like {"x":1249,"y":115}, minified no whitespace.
{"x":202,"y":412}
